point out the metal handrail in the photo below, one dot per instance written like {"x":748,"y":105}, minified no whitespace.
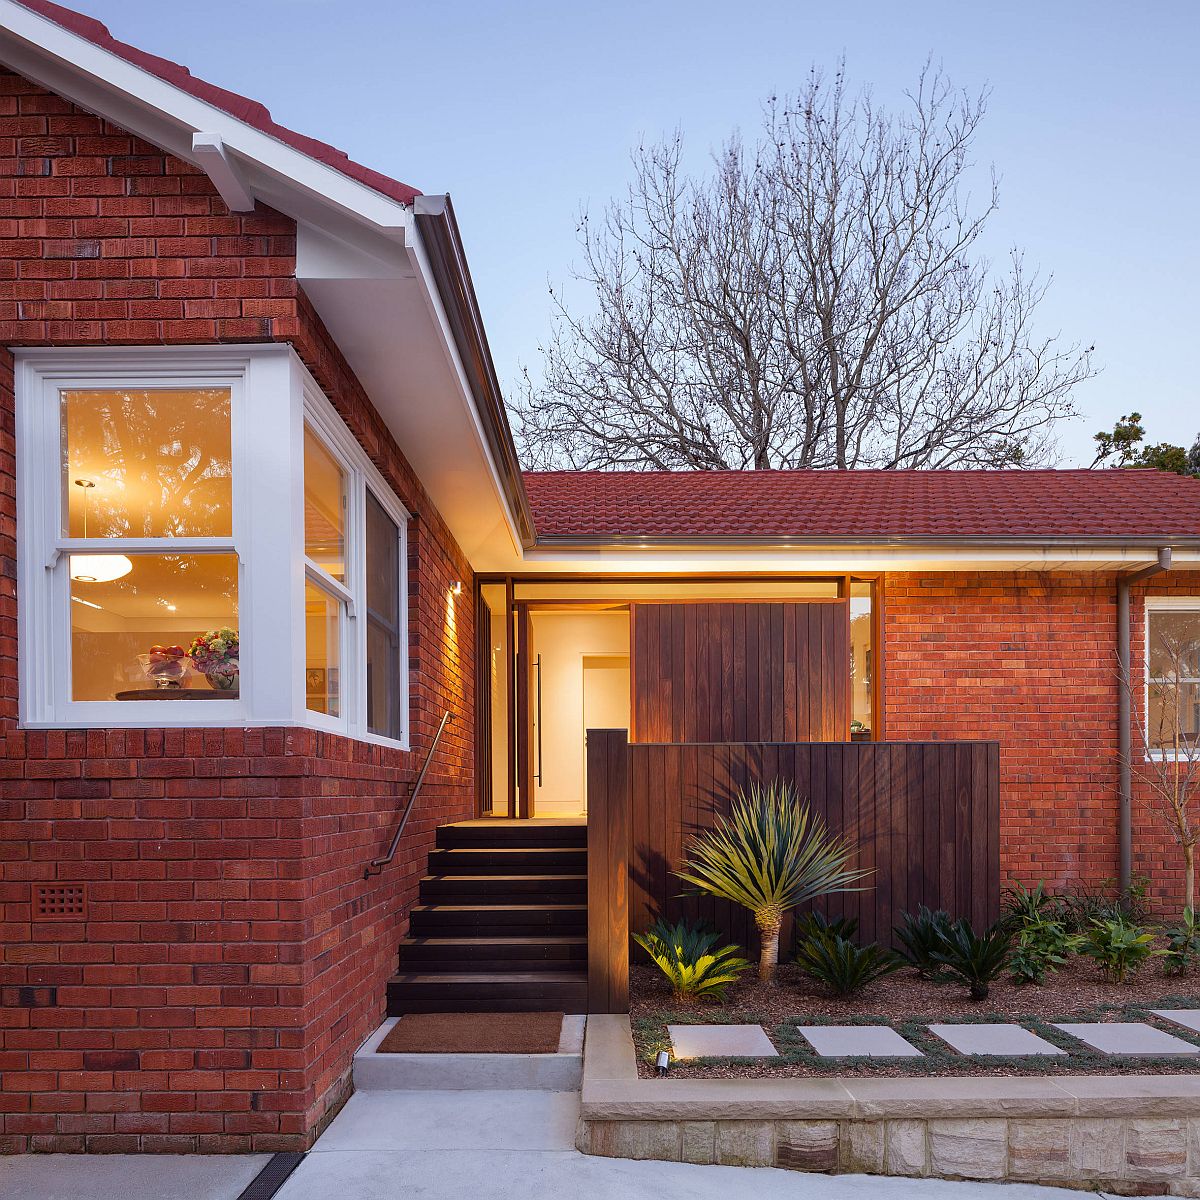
{"x":377,"y":864}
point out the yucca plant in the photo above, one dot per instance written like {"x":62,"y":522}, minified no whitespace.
{"x":689,"y":957}
{"x":770,"y":854}
{"x":842,"y":966}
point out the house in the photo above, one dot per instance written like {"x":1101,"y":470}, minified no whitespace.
{"x":284,"y":628}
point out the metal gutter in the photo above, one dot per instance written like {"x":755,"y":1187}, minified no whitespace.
{"x":1124,"y":716}
{"x":435,"y":222}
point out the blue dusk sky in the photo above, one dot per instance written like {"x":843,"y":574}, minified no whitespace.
{"x":524,"y":112}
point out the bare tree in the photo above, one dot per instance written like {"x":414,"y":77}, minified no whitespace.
{"x":817,"y":300}
{"x":1166,"y":757}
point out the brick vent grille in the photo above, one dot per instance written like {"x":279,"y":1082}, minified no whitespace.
{"x":53,"y":900}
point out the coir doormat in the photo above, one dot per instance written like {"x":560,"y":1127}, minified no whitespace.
{"x":474,"y":1033}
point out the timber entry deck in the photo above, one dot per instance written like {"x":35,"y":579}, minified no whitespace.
{"x":501,"y":925}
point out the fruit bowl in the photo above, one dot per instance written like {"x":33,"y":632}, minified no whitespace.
{"x":165,"y":666}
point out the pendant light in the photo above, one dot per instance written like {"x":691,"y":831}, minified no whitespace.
{"x":96,"y":568}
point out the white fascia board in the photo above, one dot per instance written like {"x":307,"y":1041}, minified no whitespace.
{"x":429,"y":293}
{"x":104,"y":83}
{"x":626,"y":560}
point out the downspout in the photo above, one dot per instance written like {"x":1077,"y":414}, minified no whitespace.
{"x":1125,"y":681}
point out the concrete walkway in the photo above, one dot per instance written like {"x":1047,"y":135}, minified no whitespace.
{"x":127,"y":1176}
{"x":497,"y":1145}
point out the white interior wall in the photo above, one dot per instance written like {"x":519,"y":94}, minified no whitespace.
{"x":564,"y":641}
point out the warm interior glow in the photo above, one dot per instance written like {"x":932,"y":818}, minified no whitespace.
{"x":146,"y":462}
{"x":160,"y":600}
{"x":620,"y":593}
{"x":324,"y":508}
{"x":99,"y":568}
{"x":322,"y":657}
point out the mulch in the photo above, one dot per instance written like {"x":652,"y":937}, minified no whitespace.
{"x":904,"y":1000}
{"x":474,"y":1033}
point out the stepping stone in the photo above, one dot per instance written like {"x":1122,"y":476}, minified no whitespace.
{"x":858,"y":1041}
{"x":994,"y":1039}
{"x":1127,"y":1037}
{"x":721,"y":1041}
{"x":1189,"y":1018}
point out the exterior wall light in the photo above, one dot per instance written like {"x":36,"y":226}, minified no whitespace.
{"x":456,"y":588}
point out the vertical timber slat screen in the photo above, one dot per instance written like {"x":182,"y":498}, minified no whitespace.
{"x":923,"y":815}
{"x":741,"y":672}
{"x":608,"y":785}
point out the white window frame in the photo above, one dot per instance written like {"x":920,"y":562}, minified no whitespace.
{"x":1159,"y":604}
{"x":360,"y":474}
{"x":272,"y":395}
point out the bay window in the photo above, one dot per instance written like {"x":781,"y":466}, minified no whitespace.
{"x":197,"y":525}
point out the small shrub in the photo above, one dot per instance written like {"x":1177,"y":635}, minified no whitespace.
{"x":842,"y":966}
{"x":921,"y":935}
{"x":1183,"y":945}
{"x":1042,"y":946}
{"x":689,"y":957}
{"x":1077,"y":908}
{"x":1120,"y":947}
{"x":1022,"y":904}
{"x":812,"y":924}
{"x":976,"y":960}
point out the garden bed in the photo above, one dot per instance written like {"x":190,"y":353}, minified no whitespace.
{"x":908,"y":1003}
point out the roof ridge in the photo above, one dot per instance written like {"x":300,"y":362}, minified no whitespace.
{"x":241,"y":108}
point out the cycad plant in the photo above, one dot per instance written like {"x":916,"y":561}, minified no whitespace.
{"x":770,"y":854}
{"x":689,"y":957}
{"x":842,"y":966}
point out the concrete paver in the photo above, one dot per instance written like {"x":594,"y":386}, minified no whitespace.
{"x":858,"y":1041}
{"x":1127,"y":1037}
{"x":721,"y":1041}
{"x":968,"y":1037}
{"x":1189,"y":1018}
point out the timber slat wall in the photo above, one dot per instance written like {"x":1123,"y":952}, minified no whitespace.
{"x":737,"y":672}
{"x":923,"y":815}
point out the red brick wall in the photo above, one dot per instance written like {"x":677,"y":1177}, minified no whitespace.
{"x":1030,"y":660}
{"x":231,"y":956}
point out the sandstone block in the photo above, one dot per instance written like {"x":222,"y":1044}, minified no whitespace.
{"x":974,"y":1149}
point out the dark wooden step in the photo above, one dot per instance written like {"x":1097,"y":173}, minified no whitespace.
{"x":441,"y":920}
{"x":511,"y":834}
{"x":412,"y":991}
{"x":497,"y":889}
{"x":487,"y":952}
{"x":519,"y":860}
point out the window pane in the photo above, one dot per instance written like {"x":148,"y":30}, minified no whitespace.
{"x":862,"y":656}
{"x":324,"y":508}
{"x":384,"y":715}
{"x":134,"y":619}
{"x":1174,"y":716}
{"x":1174,"y":643}
{"x":323,"y":640}
{"x":146,"y":463}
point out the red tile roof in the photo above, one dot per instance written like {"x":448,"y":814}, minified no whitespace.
{"x":856,"y":505}
{"x":237,"y":106}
